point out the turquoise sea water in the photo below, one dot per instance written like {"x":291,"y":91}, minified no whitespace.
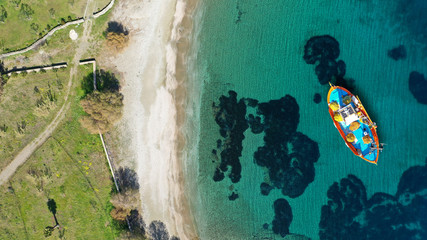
{"x":255,"y":48}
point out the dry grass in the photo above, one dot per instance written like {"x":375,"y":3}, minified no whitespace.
{"x":26,"y":109}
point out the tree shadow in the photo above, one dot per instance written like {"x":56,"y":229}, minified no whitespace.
{"x":105,"y":81}
{"x":158,"y":231}
{"x":51,"y":205}
{"x":116,"y":27}
{"x":127,"y":179}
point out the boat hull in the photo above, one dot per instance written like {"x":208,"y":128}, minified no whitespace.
{"x":368,"y":152}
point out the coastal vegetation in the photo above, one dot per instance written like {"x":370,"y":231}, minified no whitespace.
{"x":117,"y":36}
{"x":103,"y":105}
{"x":27,"y":20}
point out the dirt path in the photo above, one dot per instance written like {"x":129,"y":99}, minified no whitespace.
{"x":36,"y":143}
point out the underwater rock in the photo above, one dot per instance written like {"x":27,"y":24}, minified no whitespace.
{"x":418,"y":86}
{"x":265,"y":188}
{"x":230,"y":116}
{"x":251,"y":102}
{"x":349,"y":215}
{"x":233,"y":196}
{"x":265,"y":226}
{"x":397,"y":53}
{"x":323,"y":51}
{"x":317,"y":98}
{"x":218,"y":175}
{"x":282,"y":217}
{"x":255,"y":124}
{"x":288,"y":155}
{"x":321,"y":48}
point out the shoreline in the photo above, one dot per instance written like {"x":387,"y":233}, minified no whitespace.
{"x":154,"y":70}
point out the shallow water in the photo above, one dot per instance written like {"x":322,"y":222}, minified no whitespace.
{"x":256,"y":48}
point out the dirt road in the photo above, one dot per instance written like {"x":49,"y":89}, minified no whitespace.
{"x":36,"y":143}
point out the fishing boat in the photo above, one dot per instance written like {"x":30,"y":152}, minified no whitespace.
{"x":353,"y":123}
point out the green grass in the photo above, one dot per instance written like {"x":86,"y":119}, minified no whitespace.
{"x":19,"y":103}
{"x":60,"y":47}
{"x":71,"y":169}
{"x":17,"y":32}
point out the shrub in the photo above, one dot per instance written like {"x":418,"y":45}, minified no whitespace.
{"x":103,"y":109}
{"x":117,"y":41}
{"x":3,"y":14}
{"x":26,"y":11}
{"x":16,"y":2}
{"x":35,"y":27}
{"x":52,"y":13}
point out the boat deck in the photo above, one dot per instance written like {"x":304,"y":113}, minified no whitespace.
{"x":369,"y":154}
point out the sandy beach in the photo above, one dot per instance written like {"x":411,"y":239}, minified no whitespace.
{"x":154,"y":73}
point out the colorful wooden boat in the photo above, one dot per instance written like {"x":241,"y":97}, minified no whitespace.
{"x":354,"y":124}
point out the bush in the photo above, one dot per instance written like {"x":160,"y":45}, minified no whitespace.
{"x":103,"y":109}
{"x":16,"y":2}
{"x":117,"y":41}
{"x":26,"y":11}
{"x":52,"y":13}
{"x":35,"y":27}
{"x":3,"y":14}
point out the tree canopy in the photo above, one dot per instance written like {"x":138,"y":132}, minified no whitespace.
{"x":103,"y":109}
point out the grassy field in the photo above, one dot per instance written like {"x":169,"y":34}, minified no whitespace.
{"x":28,"y":104}
{"x":60,"y":47}
{"x":69,"y":168}
{"x":20,"y":30}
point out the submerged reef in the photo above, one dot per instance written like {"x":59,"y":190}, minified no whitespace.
{"x":287,"y":155}
{"x":323,"y":52}
{"x":397,"y":53}
{"x":317,"y":98}
{"x":230,"y":117}
{"x":350,"y":215}
{"x":282,"y":217}
{"x":418,"y":86}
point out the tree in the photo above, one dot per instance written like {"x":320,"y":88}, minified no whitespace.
{"x":48,"y":231}
{"x":3,"y":14}
{"x":26,"y":11}
{"x":117,"y":41}
{"x":103,"y":109}
{"x":127,"y":200}
{"x":35,"y":27}
{"x":51,"y":205}
{"x":120,"y":214}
